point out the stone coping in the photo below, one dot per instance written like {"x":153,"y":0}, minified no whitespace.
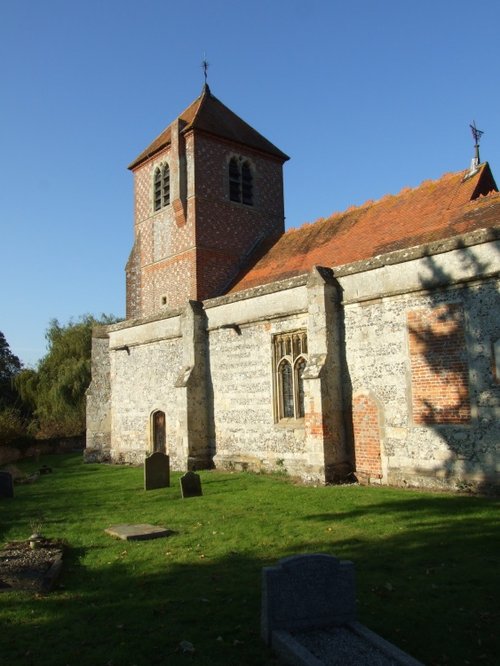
{"x":352,"y":644}
{"x":477,"y":237}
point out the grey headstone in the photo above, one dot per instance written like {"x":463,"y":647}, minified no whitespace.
{"x":6,"y":485}
{"x":156,"y":471}
{"x":307,"y":592}
{"x":191,"y":485}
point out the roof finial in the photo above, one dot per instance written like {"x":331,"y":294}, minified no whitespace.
{"x":477,"y":134}
{"x":205,"y":65}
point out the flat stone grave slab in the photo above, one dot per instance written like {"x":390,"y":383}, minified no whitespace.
{"x":156,"y":471}
{"x":190,"y":485}
{"x":141,"y":532}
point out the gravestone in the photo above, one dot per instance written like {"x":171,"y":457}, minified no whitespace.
{"x":156,"y":471}
{"x":6,"y":485}
{"x":190,"y":485}
{"x":307,"y":591}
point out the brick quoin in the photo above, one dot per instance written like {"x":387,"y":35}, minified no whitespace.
{"x":439,"y":367}
{"x":365,"y":419}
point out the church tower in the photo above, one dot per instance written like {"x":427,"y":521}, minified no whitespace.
{"x":208,"y":193}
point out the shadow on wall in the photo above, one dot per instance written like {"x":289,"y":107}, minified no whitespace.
{"x":455,"y":390}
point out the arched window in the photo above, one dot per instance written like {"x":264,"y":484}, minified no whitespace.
{"x":286,"y":389}
{"x":290,"y":360}
{"x":246,"y":184}
{"x":161,"y":187}
{"x":157,"y":189}
{"x":300,"y":366}
{"x":234,"y":180}
{"x":240,"y":181}
{"x":165,"y":185}
{"x":158,"y":431}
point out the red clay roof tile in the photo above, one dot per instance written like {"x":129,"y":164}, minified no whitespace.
{"x":439,"y":209}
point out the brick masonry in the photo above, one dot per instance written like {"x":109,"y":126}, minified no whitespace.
{"x":195,"y":256}
{"x":431,"y":437}
{"x":367,"y":437}
{"x":439,"y":365}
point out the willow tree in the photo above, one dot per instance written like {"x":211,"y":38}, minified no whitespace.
{"x":55,"y":390}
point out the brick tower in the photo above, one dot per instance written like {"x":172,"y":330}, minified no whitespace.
{"x":208,"y":193}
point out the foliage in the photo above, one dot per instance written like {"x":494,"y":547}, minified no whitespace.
{"x":55,"y":390}
{"x":10,"y":365}
{"x":426,"y":566}
{"x":12,"y":423}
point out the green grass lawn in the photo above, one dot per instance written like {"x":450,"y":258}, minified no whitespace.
{"x":427,"y":567}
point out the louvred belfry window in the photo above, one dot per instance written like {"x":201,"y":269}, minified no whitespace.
{"x":157,"y":189}
{"x":240,"y":181}
{"x":165,"y":185}
{"x":161,"y":187}
{"x":290,"y":360}
{"x":246,"y":184}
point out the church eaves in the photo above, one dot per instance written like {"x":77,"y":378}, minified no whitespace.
{"x":453,"y":205}
{"x":209,"y":115}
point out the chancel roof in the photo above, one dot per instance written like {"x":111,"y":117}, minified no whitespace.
{"x":208,"y":114}
{"x":453,"y":205}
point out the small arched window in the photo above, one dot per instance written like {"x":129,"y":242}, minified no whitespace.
{"x":161,"y":187}
{"x":240,"y":181}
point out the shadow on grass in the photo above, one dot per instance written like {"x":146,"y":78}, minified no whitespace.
{"x":432,"y":593}
{"x":427,"y":574}
{"x":122,"y":617}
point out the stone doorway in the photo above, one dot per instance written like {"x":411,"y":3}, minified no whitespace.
{"x":159,"y":432}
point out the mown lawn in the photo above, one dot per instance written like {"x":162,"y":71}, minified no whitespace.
{"x":427,"y":567}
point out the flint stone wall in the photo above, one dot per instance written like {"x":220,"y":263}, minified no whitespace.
{"x":378,"y":365}
{"x":246,"y":435}
{"x":147,"y":358}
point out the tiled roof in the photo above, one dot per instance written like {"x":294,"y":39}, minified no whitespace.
{"x":208,"y":114}
{"x":435,"y":210}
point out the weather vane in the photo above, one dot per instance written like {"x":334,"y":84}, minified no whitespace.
{"x":205,"y":65}
{"x":477,"y":134}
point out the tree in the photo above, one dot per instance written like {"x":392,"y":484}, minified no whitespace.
{"x":10,"y":365}
{"x":11,"y":419}
{"x":55,"y":391}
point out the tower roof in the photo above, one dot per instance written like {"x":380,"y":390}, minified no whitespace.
{"x":209,"y":115}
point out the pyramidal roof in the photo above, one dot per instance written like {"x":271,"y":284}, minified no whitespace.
{"x":455,"y":204}
{"x":208,"y":114}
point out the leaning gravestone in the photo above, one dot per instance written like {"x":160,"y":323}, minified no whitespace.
{"x":6,"y":485}
{"x":156,"y":471}
{"x":191,"y":485}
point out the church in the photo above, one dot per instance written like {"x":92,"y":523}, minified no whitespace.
{"x":363,"y":347}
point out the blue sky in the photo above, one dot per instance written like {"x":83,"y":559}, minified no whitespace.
{"x":366,"y":97}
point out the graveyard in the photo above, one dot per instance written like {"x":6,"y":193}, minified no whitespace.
{"x":426,"y":565}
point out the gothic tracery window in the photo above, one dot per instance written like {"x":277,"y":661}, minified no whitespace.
{"x":161,"y":186}
{"x":290,"y":360}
